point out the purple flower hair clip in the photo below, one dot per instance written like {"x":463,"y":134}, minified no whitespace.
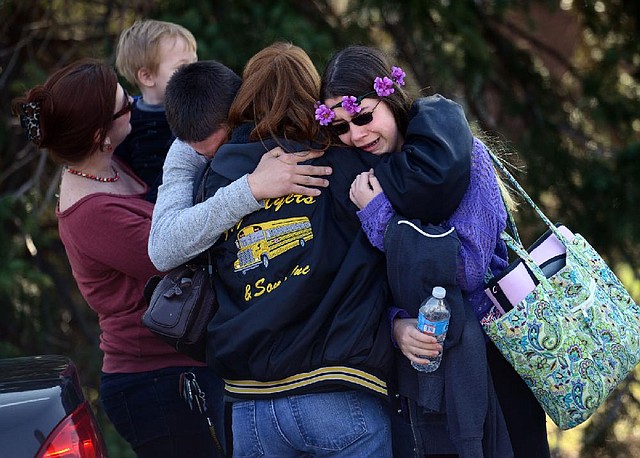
{"x":397,"y":75}
{"x":351,"y":104}
{"x":324,"y":114}
{"x":383,"y":85}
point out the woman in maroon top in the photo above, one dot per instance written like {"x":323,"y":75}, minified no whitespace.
{"x":80,"y":115}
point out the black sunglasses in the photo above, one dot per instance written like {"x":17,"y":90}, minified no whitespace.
{"x":360,"y":120}
{"x":126,"y":108}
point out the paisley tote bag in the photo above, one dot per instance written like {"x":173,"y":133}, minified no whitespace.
{"x":575,"y":335}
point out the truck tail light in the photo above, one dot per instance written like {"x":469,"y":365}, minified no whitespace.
{"x":76,"y":436}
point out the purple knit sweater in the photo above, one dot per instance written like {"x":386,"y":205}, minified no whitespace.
{"x":478,"y":220}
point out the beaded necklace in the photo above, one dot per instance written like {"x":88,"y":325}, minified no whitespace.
{"x":89,"y":176}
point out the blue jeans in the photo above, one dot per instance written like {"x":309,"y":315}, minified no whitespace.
{"x":344,"y":423}
{"x":148,"y":411}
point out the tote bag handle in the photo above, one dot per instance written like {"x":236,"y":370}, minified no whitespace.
{"x":498,"y":163}
{"x":569,"y":247}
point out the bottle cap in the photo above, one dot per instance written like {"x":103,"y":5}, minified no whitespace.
{"x":439,"y":292}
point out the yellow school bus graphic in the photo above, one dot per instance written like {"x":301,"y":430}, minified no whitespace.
{"x":259,"y":243}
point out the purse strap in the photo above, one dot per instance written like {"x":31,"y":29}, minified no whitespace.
{"x":198,"y":198}
{"x":511,"y":223}
{"x":511,"y":242}
{"x":526,"y":258}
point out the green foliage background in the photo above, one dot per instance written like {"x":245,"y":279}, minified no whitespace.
{"x":556,"y":81}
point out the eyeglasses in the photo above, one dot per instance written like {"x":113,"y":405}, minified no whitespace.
{"x":360,"y":120}
{"x":125,"y":109}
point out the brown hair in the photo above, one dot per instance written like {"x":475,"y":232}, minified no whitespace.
{"x":280,"y":84}
{"x":139,"y":46}
{"x":76,"y":106}
{"x":198,"y":99}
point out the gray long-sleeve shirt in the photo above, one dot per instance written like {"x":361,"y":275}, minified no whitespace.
{"x":180,"y":230}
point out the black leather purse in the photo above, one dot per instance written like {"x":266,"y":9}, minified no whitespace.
{"x":182,"y":303}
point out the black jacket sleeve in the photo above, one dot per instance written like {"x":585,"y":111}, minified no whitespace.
{"x":428,"y":178}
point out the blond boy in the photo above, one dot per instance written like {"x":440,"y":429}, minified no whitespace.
{"x":148,"y":53}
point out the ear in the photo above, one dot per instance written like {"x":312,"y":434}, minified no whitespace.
{"x":220,"y":136}
{"x":96,"y":135}
{"x":106,"y":145}
{"x":146,"y":77}
{"x":223,"y":133}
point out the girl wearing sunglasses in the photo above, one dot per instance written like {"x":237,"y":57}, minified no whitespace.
{"x":366,"y":105}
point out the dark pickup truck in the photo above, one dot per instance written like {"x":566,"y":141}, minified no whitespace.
{"x":43,"y":412}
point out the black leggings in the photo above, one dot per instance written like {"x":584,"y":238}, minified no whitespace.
{"x":525,"y":419}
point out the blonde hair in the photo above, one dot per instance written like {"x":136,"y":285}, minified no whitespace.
{"x":139,"y":46}
{"x":280,"y":84}
{"x":501,"y":150}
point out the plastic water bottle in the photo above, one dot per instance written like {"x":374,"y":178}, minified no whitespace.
{"x":433,"y":319}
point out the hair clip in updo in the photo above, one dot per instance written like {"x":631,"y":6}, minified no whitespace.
{"x":382,"y":86}
{"x":30,"y":121}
